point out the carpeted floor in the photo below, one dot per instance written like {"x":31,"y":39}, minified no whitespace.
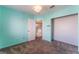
{"x":42,"y":47}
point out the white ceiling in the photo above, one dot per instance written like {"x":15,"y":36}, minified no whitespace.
{"x":28,"y":8}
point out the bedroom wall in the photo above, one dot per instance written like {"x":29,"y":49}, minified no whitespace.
{"x":13,"y":26}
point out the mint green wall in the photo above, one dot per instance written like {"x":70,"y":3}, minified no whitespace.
{"x":62,"y":12}
{"x":6,"y":14}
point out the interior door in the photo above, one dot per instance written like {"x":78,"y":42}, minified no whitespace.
{"x":31,"y":29}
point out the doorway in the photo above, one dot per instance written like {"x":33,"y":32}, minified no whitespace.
{"x":38,"y":34}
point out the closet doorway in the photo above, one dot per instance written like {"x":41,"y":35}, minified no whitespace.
{"x":64,"y":29}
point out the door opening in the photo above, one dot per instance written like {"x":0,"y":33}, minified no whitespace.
{"x":39,"y":30}
{"x":64,"y":29}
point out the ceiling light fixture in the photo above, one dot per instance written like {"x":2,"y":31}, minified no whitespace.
{"x":37,"y":8}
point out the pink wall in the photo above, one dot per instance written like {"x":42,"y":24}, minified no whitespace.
{"x":65,"y":29}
